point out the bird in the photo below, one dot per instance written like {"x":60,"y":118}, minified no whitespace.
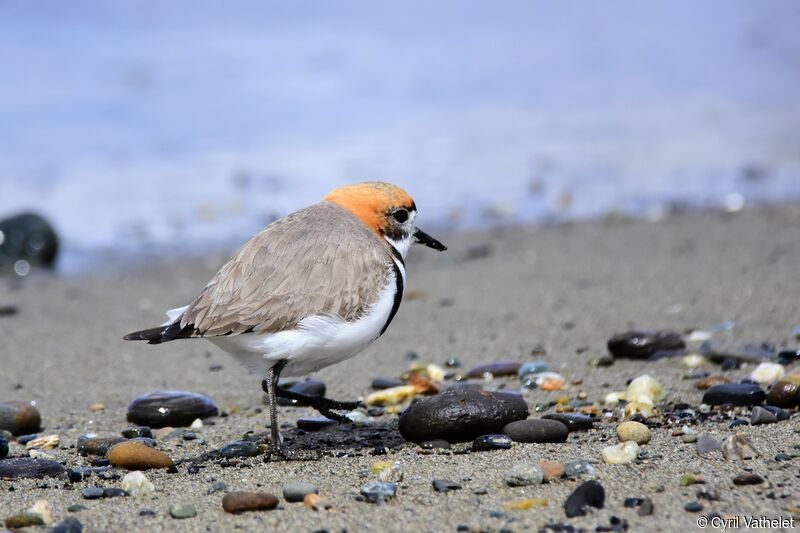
{"x":310,"y":290}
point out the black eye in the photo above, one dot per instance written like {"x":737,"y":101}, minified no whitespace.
{"x":401,"y":215}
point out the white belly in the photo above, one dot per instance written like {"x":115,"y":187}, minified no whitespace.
{"x":317,"y":342}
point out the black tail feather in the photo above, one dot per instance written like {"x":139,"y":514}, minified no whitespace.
{"x":161,"y":333}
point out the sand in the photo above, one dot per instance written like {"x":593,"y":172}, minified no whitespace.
{"x":565,"y":288}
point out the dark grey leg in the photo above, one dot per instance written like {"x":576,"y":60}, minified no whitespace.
{"x":270,"y":385}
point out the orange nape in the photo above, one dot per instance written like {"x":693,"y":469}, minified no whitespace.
{"x":370,"y":201}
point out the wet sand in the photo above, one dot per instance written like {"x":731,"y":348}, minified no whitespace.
{"x":564,"y":288}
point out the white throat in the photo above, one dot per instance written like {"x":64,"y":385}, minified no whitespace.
{"x":401,"y":246}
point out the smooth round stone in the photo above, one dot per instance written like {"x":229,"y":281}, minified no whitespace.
{"x":552,"y":470}
{"x":170,"y":408}
{"x":536,"y":430}
{"x":693,"y":507}
{"x":445,"y":485}
{"x":739,"y":394}
{"x":19,"y":418}
{"x":314,"y":423}
{"x":486,"y":443}
{"x":707,"y":444}
{"x":241,"y":501}
{"x":767,"y":373}
{"x":309,"y":387}
{"x":239,"y":448}
{"x":622,"y":453}
{"x":523,"y":475}
{"x":460,"y":415}
{"x":26,"y":519}
{"x":378,"y":491}
{"x":588,"y":494}
{"x":92,"y":493}
{"x":784,"y":393}
{"x":532,"y":367}
{"x":778,"y":412}
{"x":644,"y":343}
{"x":633,"y":431}
{"x":644,"y":389}
{"x":573,"y":421}
{"x":495,"y":368}
{"x":750,"y":353}
{"x":3,"y":447}
{"x":579,"y":467}
{"x":136,"y":484}
{"x":710,"y":381}
{"x":135,"y":455}
{"x":137,"y":431}
{"x":27,"y":467}
{"x":297,"y":491}
{"x":437,"y":444}
{"x":94,"y":445}
{"x":27,"y":237}
{"x":68,"y":525}
{"x":384,"y":383}
{"x":762,"y":416}
{"x":748,"y":478}
{"x":182,"y":510}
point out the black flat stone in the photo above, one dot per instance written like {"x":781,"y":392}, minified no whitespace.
{"x":315,"y":423}
{"x":486,"y":443}
{"x":170,"y":408}
{"x":27,"y":467}
{"x":642,"y":344}
{"x":573,"y":421}
{"x":739,"y":394}
{"x":536,"y":430}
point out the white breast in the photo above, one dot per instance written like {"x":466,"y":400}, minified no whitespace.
{"x":318,"y":341}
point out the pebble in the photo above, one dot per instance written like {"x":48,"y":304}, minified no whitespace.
{"x":21,"y":520}
{"x":748,"y":478}
{"x":549,"y":381}
{"x":170,"y":408}
{"x":40,"y":454}
{"x":784,"y":393}
{"x":182,"y":510}
{"x":573,"y":421}
{"x":532,"y":367}
{"x":524,"y":505}
{"x":360,"y":418}
{"x":68,"y":525}
{"x":436,"y":444}
{"x":633,"y":431}
{"x":43,"y":509}
{"x":578,"y":468}
{"x":137,"y":431}
{"x":622,"y":453}
{"x":693,"y":360}
{"x":486,"y":443}
{"x":646,"y":508}
{"x":644,"y":389}
{"x":552,"y":470}
{"x":587,"y":495}
{"x":315,"y":502}
{"x":640,"y":409}
{"x":314,"y":423}
{"x":296,"y":491}
{"x":392,"y":396}
{"x":738,"y":446}
{"x":135,"y":455}
{"x":644,"y":343}
{"x":707,"y":444}
{"x":45,"y":442}
{"x":383,"y":383}
{"x":136,"y":484}
{"x":217,"y":486}
{"x":239,"y":448}
{"x":445,"y":485}
{"x":523,"y":475}
{"x":460,"y":415}
{"x":378,"y":491}
{"x":778,"y":412}
{"x":3,"y":447}
{"x":240,"y":501}
{"x":710,"y":381}
{"x":759,"y":416}
{"x":91,"y":444}
{"x":768,"y":373}
{"x":496,"y":368}
{"x":744,"y":353}
{"x":693,"y":507}
{"x":739,"y":394}
{"x":19,"y":418}
{"x":92,"y":493}
{"x":311,"y":387}
{"x":536,"y":430}
{"x":27,"y":467}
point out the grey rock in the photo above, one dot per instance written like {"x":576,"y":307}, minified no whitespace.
{"x":378,"y":491}
{"x":297,"y":490}
{"x":578,"y":468}
{"x":27,"y":467}
{"x":759,"y":416}
{"x":239,"y":448}
{"x":707,"y":444}
{"x":536,"y":430}
{"x":182,"y":510}
{"x":445,"y":485}
{"x":523,"y":475}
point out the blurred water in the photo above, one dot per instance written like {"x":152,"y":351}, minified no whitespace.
{"x":139,"y":125}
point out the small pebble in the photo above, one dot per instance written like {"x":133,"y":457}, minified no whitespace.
{"x":646,"y":508}
{"x":137,"y":431}
{"x":182,"y":510}
{"x":578,"y":468}
{"x":239,"y":448}
{"x":240,"y":501}
{"x":498,"y":368}
{"x":710,"y":381}
{"x":27,"y":467}
{"x":45,"y":442}
{"x":622,"y":453}
{"x":315,"y":423}
{"x":693,"y":360}
{"x":68,"y":525}
{"x":633,"y":431}
{"x":768,"y":373}
{"x":135,"y":455}
{"x":644,"y":389}
{"x":748,"y":478}
{"x":759,"y":416}
{"x":217,"y":486}
{"x":298,"y":490}
{"x":436,"y":444}
{"x":532,"y":367}
{"x":524,"y":505}
{"x":315,"y":502}
{"x":92,"y":493}
{"x":573,"y":421}
{"x":445,"y":485}
{"x":644,"y":343}
{"x":552,"y":470}
{"x":738,"y":394}
{"x":537,"y":430}
{"x":739,"y":446}
{"x":3,"y":447}
{"x":170,"y":408}
{"x":588,"y":495}
{"x":707,"y":444}
{"x":91,"y":444}
{"x":523,"y":475}
{"x":693,"y":507}
{"x":136,"y":484}
{"x":377,"y":491}
{"x":784,"y":393}
{"x":486,"y":443}
{"x":19,"y":418}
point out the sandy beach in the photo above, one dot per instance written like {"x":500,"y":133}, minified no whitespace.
{"x":560,"y":289}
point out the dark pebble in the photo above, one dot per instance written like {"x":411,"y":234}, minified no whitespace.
{"x":573,"y":421}
{"x":588,"y":494}
{"x":68,"y":525}
{"x":26,"y":467}
{"x":239,"y":448}
{"x":3,"y":448}
{"x":496,"y":368}
{"x":787,"y":357}
{"x":633,"y":502}
{"x":536,"y":430}
{"x":784,"y":457}
{"x":445,"y":485}
{"x":717,"y":352}
{"x":453,"y":363}
{"x":170,"y":408}
{"x":310,"y":387}
{"x":779,"y":413}
{"x":94,"y":445}
{"x":486,"y":443}
{"x":239,"y":502}
{"x":25,"y":439}
{"x":784,"y":394}
{"x":8,"y":310}
{"x":437,"y":444}
{"x":748,"y":478}
{"x":693,"y":507}
{"x":730,"y":364}
{"x":459,"y":415}
{"x":92,"y":493}
{"x":114,"y":492}
{"x":734,"y":394}
{"x":28,"y":237}
{"x":762,"y":416}
{"x":137,"y":431}
{"x":76,"y":508}
{"x":314,"y":423}
{"x":384,"y":383}
{"x":736,"y":422}
{"x":646,"y":508}
{"x":645,"y":343}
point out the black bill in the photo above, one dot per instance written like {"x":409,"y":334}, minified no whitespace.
{"x":423,"y":238}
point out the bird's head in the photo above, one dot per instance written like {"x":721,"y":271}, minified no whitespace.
{"x":387,"y":210}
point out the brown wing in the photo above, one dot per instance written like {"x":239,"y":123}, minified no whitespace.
{"x":319,"y":260}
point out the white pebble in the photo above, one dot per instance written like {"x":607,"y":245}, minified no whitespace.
{"x":196,"y":424}
{"x":768,"y":373}
{"x":137,"y":484}
{"x":43,"y":509}
{"x":36,"y":453}
{"x":698,"y":335}
{"x":613,"y":398}
{"x":694,"y":360}
{"x":644,"y":409}
{"x":644,"y":389}
{"x":622,"y":453}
